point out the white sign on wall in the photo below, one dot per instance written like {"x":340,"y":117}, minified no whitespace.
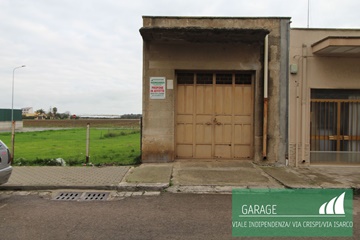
{"x":170,"y":84}
{"x":157,"y":88}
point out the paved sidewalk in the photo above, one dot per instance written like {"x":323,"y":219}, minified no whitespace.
{"x":190,"y":176}
{"x":44,"y":177}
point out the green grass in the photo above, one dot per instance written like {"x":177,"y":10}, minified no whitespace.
{"x":107,"y":146}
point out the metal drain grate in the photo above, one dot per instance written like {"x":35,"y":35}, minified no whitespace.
{"x":95,"y":196}
{"x":68,"y":196}
{"x":82,"y":196}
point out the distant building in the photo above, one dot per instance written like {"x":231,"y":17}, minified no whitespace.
{"x":27,"y":110}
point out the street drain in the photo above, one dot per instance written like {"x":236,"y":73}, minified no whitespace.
{"x":68,"y":196}
{"x":82,"y":196}
{"x":95,"y":196}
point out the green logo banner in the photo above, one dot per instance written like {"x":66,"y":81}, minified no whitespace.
{"x":292,"y":212}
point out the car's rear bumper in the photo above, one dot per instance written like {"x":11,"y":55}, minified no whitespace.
{"x":5,"y":174}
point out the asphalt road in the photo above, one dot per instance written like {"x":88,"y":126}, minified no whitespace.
{"x":168,"y":216}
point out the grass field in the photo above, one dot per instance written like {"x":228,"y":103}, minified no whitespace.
{"x":112,"y":146}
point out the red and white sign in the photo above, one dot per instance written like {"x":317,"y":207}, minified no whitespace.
{"x":157,"y":88}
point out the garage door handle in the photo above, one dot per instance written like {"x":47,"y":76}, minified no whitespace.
{"x":208,"y":123}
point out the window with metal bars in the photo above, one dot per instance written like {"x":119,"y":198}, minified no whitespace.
{"x":207,"y":78}
{"x":224,"y":78}
{"x":243,"y":78}
{"x":185,"y":78}
{"x":335,"y":120}
{"x":204,"y":78}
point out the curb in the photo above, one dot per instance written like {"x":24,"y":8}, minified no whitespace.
{"x":121,"y":187}
{"x":150,"y":187}
{"x":124,"y":186}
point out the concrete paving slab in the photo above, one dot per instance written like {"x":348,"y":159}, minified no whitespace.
{"x":45,"y":177}
{"x":150,"y":173}
{"x":334,"y":176}
{"x":226,"y":173}
{"x":316,"y":176}
{"x":214,"y":164}
{"x":289,"y":177}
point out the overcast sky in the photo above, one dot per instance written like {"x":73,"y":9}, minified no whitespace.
{"x":85,"y":56}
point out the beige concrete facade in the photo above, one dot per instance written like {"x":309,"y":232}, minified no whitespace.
{"x":319,"y":59}
{"x":173,"y":44}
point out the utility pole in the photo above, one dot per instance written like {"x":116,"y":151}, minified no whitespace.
{"x":12,"y":115}
{"x":308,"y":14}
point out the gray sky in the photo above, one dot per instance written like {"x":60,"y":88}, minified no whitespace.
{"x":85,"y":56}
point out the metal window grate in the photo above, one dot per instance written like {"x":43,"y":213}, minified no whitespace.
{"x":204,"y":78}
{"x":188,"y":78}
{"x":223,"y":78}
{"x":242,"y":78}
{"x":335,"y":125}
{"x":185,"y":78}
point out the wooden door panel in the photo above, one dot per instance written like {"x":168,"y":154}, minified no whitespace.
{"x":203,"y":151}
{"x":185,"y":95}
{"x":243,"y":134}
{"x":184,"y":133}
{"x":243,"y":100}
{"x":223,"y":134}
{"x":203,"y":134}
{"x":203,"y":121}
{"x":214,"y":120}
{"x":242,"y":151}
{"x":222,"y":151}
{"x":204,"y":99}
{"x":184,"y":151}
{"x":223,"y":100}
{"x":243,"y":120}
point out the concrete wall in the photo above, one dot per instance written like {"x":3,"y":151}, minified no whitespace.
{"x":6,"y":125}
{"x":326,"y":72}
{"x":162,"y":59}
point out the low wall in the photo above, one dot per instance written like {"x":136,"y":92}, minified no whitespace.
{"x":6,"y":126}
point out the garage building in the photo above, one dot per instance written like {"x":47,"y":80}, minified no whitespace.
{"x":215,"y":88}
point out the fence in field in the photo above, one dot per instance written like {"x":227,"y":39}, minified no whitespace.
{"x":76,"y":142}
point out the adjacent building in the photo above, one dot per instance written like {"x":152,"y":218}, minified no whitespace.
{"x":324,"y":103}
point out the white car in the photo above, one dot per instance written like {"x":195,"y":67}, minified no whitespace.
{"x":5,"y":163}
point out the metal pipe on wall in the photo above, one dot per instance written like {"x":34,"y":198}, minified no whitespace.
{"x":297,"y":124}
{"x":266,"y":68}
{"x":297,"y":104}
{"x":303,"y":101}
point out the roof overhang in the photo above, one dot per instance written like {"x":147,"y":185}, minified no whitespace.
{"x":337,"y":46}
{"x":203,"y":35}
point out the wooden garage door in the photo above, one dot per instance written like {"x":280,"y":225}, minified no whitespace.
{"x":214,"y":115}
